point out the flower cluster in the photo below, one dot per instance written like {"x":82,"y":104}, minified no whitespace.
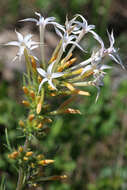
{"x":70,"y":35}
{"x":61,"y":76}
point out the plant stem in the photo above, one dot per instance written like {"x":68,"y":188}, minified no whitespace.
{"x":20,"y":182}
{"x":20,"y":179}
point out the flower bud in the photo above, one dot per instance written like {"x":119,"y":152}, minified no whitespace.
{"x":40,"y":156}
{"x":13,"y":155}
{"x":25,"y":103}
{"x":25,"y":89}
{"x":25,"y":158}
{"x":33,"y":62}
{"x":39,"y":106}
{"x":71,"y":111}
{"x":45,"y":162}
{"x":62,"y":177}
{"x":20,"y":149}
{"x":21,"y":123}
{"x":32,"y":94}
{"x":40,"y":125}
{"x":29,"y":153}
{"x":31,"y":117}
{"x":39,"y":78}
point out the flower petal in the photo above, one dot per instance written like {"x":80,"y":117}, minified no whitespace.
{"x":42,"y":82}
{"x":57,"y":75}
{"x":19,"y":36}
{"x":41,"y":72}
{"x":28,"y":19}
{"x":49,"y":69}
{"x":51,"y":84}
{"x":13,"y":43}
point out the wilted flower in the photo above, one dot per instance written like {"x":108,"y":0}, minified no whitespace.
{"x":49,"y":75}
{"x":22,"y":43}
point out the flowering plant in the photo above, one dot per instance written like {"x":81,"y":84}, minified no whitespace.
{"x":61,"y":76}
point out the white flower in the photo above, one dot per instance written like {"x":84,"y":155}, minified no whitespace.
{"x":111,"y":51}
{"x":68,"y":39}
{"x":84,"y":25}
{"x":98,"y":77}
{"x":44,"y":21}
{"x":22,"y":43}
{"x":48,"y":76}
{"x":96,"y":69}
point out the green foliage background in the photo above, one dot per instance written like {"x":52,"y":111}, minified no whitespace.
{"x":90,"y":148}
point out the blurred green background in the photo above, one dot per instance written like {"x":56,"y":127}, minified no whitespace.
{"x":91,"y":148}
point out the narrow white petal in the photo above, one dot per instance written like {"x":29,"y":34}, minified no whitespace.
{"x":27,"y":37}
{"x":58,"y":32}
{"x":33,"y":47}
{"x":19,"y":36}
{"x":42,"y":82}
{"x":83,"y":19}
{"x":41,"y":72}
{"x":13,"y":43}
{"x":38,"y":14}
{"x":29,"y":19}
{"x":49,"y":69}
{"x":51,"y":84}
{"x":98,"y":38}
{"x":103,"y":67}
{"x":87,"y":68}
{"x":84,"y":63}
{"x":49,"y":19}
{"x":76,"y":45}
{"x":117,"y":60}
{"x":57,"y":75}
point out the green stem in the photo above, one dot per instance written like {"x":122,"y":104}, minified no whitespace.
{"x":42,"y":30}
{"x":20,"y":179}
{"x":28,"y":64}
{"x":20,"y":182}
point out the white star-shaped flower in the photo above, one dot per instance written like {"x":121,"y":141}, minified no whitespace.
{"x":44,"y":21}
{"x":68,"y":39}
{"x":22,"y":43}
{"x":111,"y":51}
{"x":84,"y":25}
{"x":48,"y":76}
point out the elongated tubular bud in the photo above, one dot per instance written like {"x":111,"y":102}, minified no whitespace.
{"x":39,"y":78}
{"x":25,"y":103}
{"x":33,"y":62}
{"x":66,"y":58}
{"x":32,"y":94}
{"x":71,"y":111}
{"x":20,"y":149}
{"x":25,"y":89}
{"x":40,"y":126}
{"x":29,"y":153}
{"x":62,"y":177}
{"x":25,"y":158}
{"x":89,"y":83}
{"x":13,"y":155}
{"x":45,"y":162}
{"x":39,"y":105}
{"x":66,"y":64}
{"x":40,"y":156}
{"x":31,"y":117}
{"x":21,"y":123}
{"x":78,"y":71}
